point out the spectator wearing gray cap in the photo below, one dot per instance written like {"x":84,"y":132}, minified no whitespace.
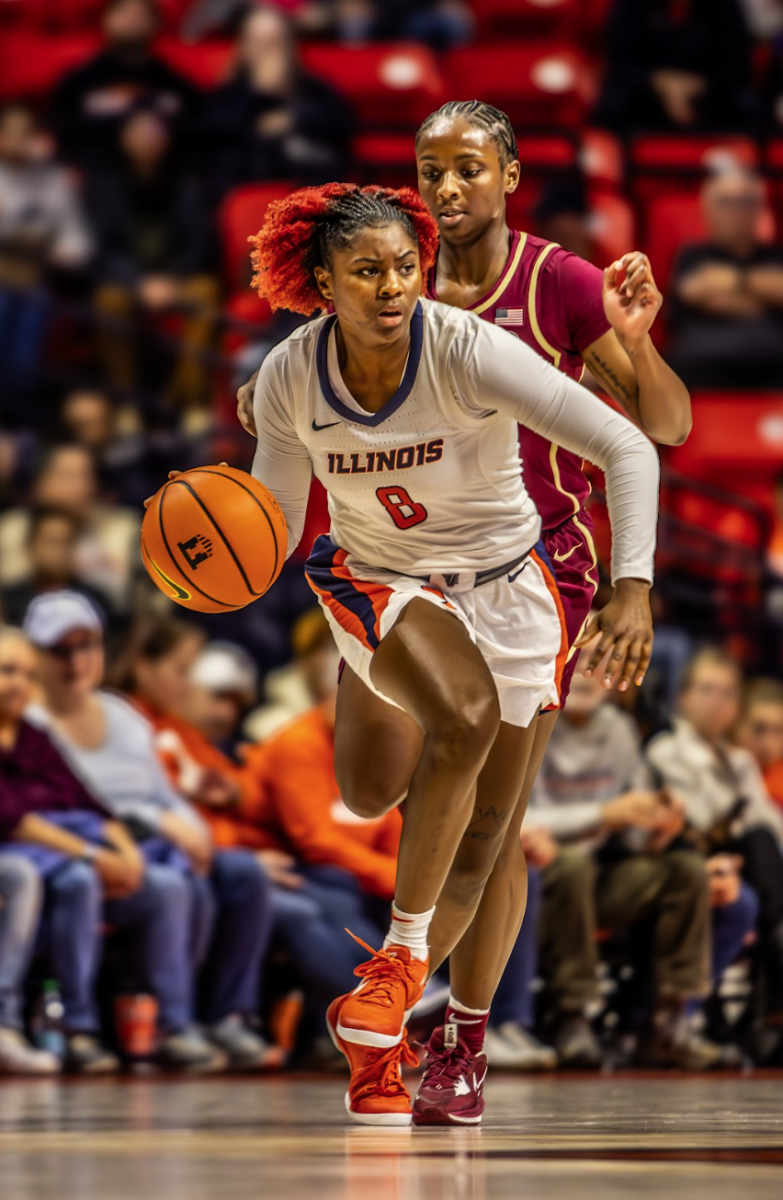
{"x":111,"y":746}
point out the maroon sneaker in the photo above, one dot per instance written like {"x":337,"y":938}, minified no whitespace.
{"x":450,"y":1092}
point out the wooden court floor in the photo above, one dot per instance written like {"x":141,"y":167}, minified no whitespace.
{"x":706,"y":1138}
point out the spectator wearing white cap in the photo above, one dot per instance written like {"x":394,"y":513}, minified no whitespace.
{"x":89,"y":872}
{"x":111,"y":746}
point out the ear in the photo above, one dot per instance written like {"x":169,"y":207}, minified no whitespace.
{"x":511,"y":177}
{"x":323,"y":283}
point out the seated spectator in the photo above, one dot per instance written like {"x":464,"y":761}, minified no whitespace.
{"x":562,"y":214}
{"x":112,"y":748}
{"x":683,"y":66}
{"x":154,"y":670}
{"x":726,"y":804}
{"x":274,"y":120}
{"x":108,"y":550}
{"x":727,"y":321}
{"x":440,"y":23}
{"x":156,"y":253}
{"x":21,"y":901}
{"x":52,"y":539}
{"x":131,"y":455}
{"x":761,"y":732}
{"x":93,"y":874}
{"x":609,"y":863}
{"x":224,"y":683}
{"x":94,"y":100}
{"x":292,"y":690}
{"x":42,"y":230}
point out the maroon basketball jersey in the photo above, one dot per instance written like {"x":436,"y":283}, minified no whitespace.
{"x":552,"y":300}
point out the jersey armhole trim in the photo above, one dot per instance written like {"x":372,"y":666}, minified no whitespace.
{"x":554,"y":354}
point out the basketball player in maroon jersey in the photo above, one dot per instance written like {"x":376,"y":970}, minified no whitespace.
{"x":574,"y":316}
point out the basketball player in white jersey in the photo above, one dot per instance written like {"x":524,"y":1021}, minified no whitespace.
{"x":433,"y":578}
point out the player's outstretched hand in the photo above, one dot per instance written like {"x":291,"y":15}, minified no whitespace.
{"x":626,"y":635}
{"x":173,"y":475}
{"x":245,"y":397}
{"x":631,"y":298}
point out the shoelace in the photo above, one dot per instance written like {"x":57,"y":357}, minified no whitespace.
{"x":382,"y":973}
{"x":445,"y":1066}
{"x":383,"y":1073}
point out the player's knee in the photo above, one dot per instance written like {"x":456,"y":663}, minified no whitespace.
{"x":463,"y":732}
{"x":367,"y":794}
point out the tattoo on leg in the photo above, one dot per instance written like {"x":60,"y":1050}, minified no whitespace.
{"x":493,"y":818}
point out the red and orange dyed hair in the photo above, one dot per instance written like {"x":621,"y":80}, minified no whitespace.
{"x":300,"y":232}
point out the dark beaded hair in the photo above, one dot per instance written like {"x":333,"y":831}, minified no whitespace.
{"x":483,"y":116}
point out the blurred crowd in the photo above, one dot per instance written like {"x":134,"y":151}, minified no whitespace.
{"x":168,"y":836}
{"x":171,"y":829}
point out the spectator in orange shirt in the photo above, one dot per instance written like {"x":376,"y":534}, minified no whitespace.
{"x":155,"y":671}
{"x":761,"y":732}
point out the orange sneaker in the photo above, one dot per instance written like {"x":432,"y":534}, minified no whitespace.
{"x":373,"y":1014}
{"x":376,"y":1094}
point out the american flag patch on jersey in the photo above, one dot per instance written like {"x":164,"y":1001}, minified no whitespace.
{"x":510,"y":316}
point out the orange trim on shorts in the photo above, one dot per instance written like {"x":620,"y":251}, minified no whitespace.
{"x":342,"y":615}
{"x":377,"y":594}
{"x":562,"y":654}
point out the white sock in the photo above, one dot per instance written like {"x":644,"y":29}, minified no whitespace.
{"x":410,"y":930}
{"x":463,"y":1008}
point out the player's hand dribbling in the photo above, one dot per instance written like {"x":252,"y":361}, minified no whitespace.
{"x":631,"y":298}
{"x":626,"y":630}
{"x":245,"y":397}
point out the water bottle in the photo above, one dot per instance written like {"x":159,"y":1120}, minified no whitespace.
{"x":48,"y":1020}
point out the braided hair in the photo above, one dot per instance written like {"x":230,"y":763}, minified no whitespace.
{"x":483,"y":116}
{"x":301,"y":232}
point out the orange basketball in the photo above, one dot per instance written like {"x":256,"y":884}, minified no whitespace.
{"x":214,"y":539}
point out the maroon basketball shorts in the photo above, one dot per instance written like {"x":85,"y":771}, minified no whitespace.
{"x":572,"y":554}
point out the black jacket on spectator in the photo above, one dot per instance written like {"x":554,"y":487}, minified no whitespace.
{"x":709,"y":350}
{"x":704,"y":37}
{"x":92,"y":102}
{"x":161,"y":225}
{"x":314,"y":150}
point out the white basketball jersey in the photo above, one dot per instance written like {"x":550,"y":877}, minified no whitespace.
{"x":432,"y":484}
{"x":423,"y":486}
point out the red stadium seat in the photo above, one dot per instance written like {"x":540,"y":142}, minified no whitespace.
{"x":241,"y":214}
{"x":386,"y":158}
{"x":31,"y":65}
{"x":391,"y":85}
{"x":547,"y":83}
{"x":81,"y":15}
{"x":732,"y":434}
{"x":602,"y":158}
{"x":613,"y":226}
{"x":671,"y":221}
{"x":206,"y":64}
{"x":499,"y":17}
{"x":663,"y":163}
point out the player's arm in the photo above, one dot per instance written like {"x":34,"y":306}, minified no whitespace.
{"x":281,"y":461}
{"x":245,"y":403}
{"x":486,"y":370}
{"x":625,"y":361}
